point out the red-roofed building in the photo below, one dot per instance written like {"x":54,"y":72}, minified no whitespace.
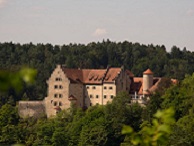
{"x":85,"y":87}
{"x":88,"y":87}
{"x":142,"y":87}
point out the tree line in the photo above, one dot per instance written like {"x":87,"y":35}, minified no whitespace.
{"x":133,"y":56}
{"x":98,"y":125}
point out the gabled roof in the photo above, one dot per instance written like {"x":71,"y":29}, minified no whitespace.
{"x":137,"y":86}
{"x":92,"y":76}
{"x":75,"y":75}
{"x":112,"y":74}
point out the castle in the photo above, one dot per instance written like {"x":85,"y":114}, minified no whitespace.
{"x":88,"y":87}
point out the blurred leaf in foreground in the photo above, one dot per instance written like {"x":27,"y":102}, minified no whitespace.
{"x":16,"y":80}
{"x":156,"y":133}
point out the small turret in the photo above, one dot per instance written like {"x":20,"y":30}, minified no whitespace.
{"x":147,"y":80}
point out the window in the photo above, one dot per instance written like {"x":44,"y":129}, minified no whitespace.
{"x":61,"y":87}
{"x":104,"y":87}
{"x":60,"y":95}
{"x":104,"y":96}
{"x":90,"y":95}
{"x":90,"y":104}
{"x":55,"y":86}
{"x":58,"y":79}
{"x":55,"y":95}
{"x":96,"y":96}
{"x":110,"y":88}
{"x":60,"y":103}
{"x":87,"y":87}
{"x":93,"y":87}
{"x":55,"y":103}
{"x":111,"y":96}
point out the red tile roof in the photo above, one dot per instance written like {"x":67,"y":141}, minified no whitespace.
{"x":137,"y":86}
{"x":112,"y":74}
{"x":92,"y":76}
{"x":75,"y":75}
{"x":148,"y":72}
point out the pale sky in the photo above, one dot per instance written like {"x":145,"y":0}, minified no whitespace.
{"x":160,"y":22}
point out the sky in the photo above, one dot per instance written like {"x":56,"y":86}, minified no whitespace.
{"x":158,"y":22}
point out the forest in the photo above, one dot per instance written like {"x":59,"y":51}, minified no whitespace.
{"x":98,"y":125}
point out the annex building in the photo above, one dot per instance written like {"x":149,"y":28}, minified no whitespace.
{"x":88,"y":87}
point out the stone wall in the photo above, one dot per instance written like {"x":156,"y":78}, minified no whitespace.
{"x":77,"y":90}
{"x":109,"y":92}
{"x":31,"y":109}
{"x":122,"y":82}
{"x":93,"y":95}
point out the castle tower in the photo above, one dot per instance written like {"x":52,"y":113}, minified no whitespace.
{"x":147,"y":80}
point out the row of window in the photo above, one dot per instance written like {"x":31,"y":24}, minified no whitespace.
{"x":55,"y":103}
{"x":94,"y":87}
{"x":58,"y":79}
{"x":106,"y":88}
{"x":105,"y":96}
{"x":58,"y":87}
{"x":58,"y":95}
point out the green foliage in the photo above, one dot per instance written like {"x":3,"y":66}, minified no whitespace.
{"x":15,"y":80}
{"x":155,"y":134}
{"x":98,"y":125}
{"x":95,"y":133}
{"x":180,"y":97}
{"x":8,"y":121}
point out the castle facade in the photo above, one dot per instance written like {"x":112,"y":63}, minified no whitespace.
{"x":88,"y":87}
